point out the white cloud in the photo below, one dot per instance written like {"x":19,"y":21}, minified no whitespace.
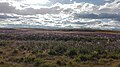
{"x":35,"y":1}
{"x":75,"y":15}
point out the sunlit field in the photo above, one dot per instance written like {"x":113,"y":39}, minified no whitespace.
{"x":59,"y":48}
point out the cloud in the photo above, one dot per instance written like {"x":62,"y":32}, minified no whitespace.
{"x":98,"y":16}
{"x":6,"y":17}
{"x":6,"y":8}
{"x":111,"y":8}
{"x":60,"y":15}
{"x":32,"y":11}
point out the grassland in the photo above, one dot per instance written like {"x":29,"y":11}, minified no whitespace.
{"x":59,"y":48}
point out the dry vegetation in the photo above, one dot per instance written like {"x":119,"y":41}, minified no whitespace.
{"x":63,"y":48}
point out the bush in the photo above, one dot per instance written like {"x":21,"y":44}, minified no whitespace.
{"x":72,"y":52}
{"x":59,"y":50}
{"x":48,"y":65}
{"x":38,"y":62}
{"x":3,"y":43}
{"x":52,"y":52}
{"x":1,"y":62}
{"x":103,"y":61}
{"x":15,"y":51}
{"x":84,"y":51}
{"x":70,"y":64}
{"x":60,"y":63}
{"x":118,"y":65}
{"x":28,"y":59}
{"x":83,"y":57}
{"x":1,"y":52}
{"x":114,"y":56}
{"x":17,"y":60}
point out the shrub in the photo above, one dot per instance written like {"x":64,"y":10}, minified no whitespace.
{"x":114,"y":56}
{"x":83,"y":57}
{"x":118,"y":65}
{"x":15,"y":51}
{"x":70,"y":64}
{"x":3,"y":43}
{"x":1,"y":52}
{"x":72,"y":52}
{"x":84,"y":51}
{"x":52,"y":52}
{"x":28,"y":59}
{"x":60,"y":63}
{"x":16,"y":59}
{"x":60,"y":50}
{"x":1,"y":62}
{"x":38,"y":62}
{"x":103,"y":61}
{"x":48,"y":65}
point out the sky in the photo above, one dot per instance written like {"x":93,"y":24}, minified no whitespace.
{"x":57,"y":14}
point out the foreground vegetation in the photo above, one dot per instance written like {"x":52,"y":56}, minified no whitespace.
{"x":38,"y":48}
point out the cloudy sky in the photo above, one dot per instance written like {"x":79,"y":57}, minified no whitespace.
{"x":54,"y":14}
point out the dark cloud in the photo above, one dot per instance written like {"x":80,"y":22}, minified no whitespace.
{"x":97,"y":2}
{"x":5,"y":17}
{"x":98,"y":16}
{"x":29,"y":26}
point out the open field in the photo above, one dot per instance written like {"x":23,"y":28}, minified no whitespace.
{"x":59,"y":48}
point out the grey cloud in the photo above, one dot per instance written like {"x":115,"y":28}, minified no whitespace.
{"x":6,"y":8}
{"x":32,"y":11}
{"x":28,"y":26}
{"x":5,"y":17}
{"x":98,"y":16}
